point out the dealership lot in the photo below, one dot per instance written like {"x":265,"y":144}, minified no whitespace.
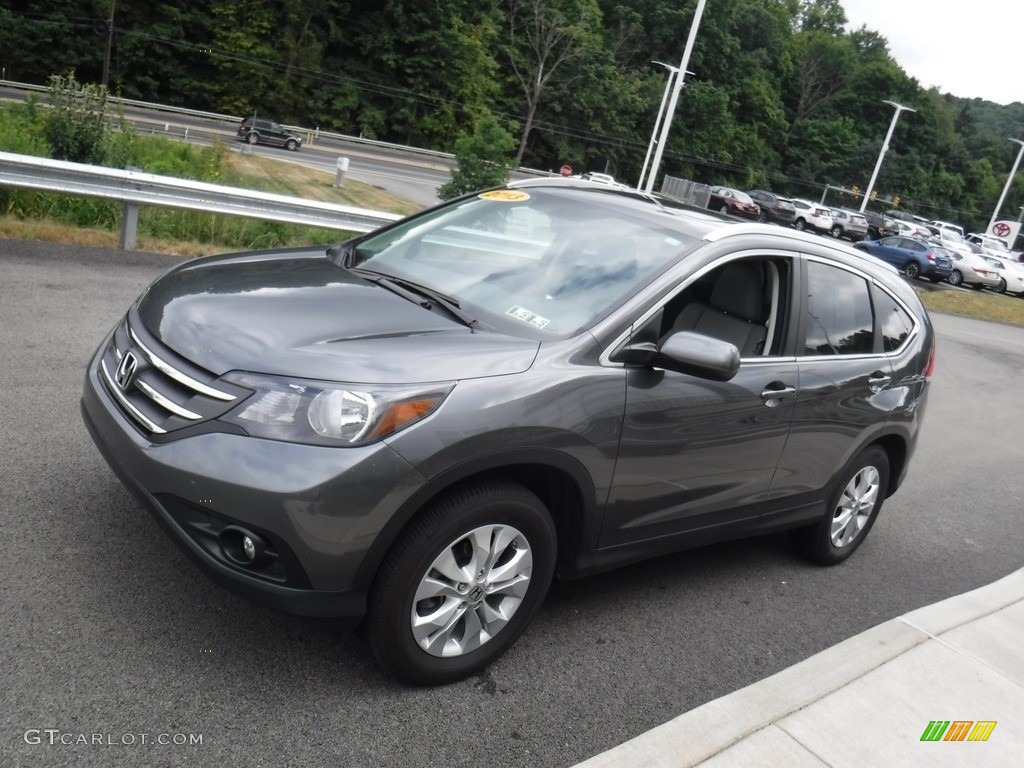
{"x":111,"y":631}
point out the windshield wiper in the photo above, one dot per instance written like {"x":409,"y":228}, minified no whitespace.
{"x":425,"y":297}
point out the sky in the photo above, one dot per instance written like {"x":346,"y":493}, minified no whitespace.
{"x":971,"y":49}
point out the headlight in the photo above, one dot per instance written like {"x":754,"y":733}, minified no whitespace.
{"x":306,"y":411}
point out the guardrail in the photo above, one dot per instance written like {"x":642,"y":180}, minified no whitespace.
{"x":136,"y":189}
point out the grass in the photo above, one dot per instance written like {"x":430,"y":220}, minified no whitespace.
{"x":981,"y":305}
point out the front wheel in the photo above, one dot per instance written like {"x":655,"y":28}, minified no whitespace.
{"x":461,"y":584}
{"x":912,"y":269}
{"x":853,"y":508}
{"x":956,"y":278}
{"x":837,"y":231}
{"x":800,"y":224}
{"x":291,"y":144}
{"x":724,"y":209}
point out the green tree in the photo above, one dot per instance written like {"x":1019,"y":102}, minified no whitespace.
{"x":75,"y":122}
{"x":484,"y":159}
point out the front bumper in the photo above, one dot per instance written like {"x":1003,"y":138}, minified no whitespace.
{"x":321,"y":508}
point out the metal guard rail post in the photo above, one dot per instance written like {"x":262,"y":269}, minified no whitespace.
{"x":135,"y":189}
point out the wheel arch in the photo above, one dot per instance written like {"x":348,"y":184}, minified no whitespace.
{"x":561,"y":483}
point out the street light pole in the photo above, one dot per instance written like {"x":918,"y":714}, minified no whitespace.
{"x":672,"y":71}
{"x":670,"y":112}
{"x":110,"y":43}
{"x":1009,"y":181}
{"x":885,"y":147}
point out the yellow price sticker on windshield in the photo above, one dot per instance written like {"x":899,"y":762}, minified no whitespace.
{"x":504,"y":195}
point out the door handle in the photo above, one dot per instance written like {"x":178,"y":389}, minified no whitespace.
{"x":775,"y":392}
{"x":878,"y":382}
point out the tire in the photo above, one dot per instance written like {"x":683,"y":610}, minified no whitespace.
{"x":800,"y":224}
{"x":912,"y":269}
{"x":762,"y":215}
{"x":1001,"y":286}
{"x":837,"y":232}
{"x":291,"y":145}
{"x":956,"y":278}
{"x":724,"y":209}
{"x":253,"y":137}
{"x":853,"y":507}
{"x":435,"y":569}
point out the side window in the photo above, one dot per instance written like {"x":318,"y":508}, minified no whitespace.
{"x":894,"y":321}
{"x":743,"y":302}
{"x":839,"y":317}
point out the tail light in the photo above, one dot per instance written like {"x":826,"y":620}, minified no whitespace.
{"x":930,"y":256}
{"x":929,"y":367}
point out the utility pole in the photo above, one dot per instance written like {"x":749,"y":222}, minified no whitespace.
{"x":110,"y":43}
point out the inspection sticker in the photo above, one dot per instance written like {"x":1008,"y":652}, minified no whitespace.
{"x":504,"y":195}
{"x":528,"y":317}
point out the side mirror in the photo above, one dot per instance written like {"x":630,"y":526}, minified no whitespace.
{"x":697,"y":355}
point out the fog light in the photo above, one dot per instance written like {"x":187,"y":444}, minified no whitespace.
{"x":245,"y":547}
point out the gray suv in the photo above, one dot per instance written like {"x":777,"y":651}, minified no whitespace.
{"x":257,"y":130}
{"x":423,"y":426}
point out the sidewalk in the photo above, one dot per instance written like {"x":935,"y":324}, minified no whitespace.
{"x":869,"y":700}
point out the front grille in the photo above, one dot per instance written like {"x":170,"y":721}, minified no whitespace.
{"x":157,"y":389}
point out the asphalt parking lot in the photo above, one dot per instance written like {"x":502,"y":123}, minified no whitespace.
{"x":115,"y":643}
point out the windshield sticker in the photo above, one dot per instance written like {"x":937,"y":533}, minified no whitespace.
{"x":528,"y":317}
{"x":504,"y":195}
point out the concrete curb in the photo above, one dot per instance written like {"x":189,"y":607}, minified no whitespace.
{"x":714,"y":727}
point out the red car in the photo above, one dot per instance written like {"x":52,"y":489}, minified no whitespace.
{"x":734,"y":202}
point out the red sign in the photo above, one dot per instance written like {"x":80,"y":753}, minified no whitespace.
{"x":566,"y":170}
{"x":1001,"y":229}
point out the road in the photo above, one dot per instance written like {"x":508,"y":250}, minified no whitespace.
{"x":110,"y":633}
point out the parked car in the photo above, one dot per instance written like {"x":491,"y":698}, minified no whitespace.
{"x":257,"y":130}
{"x":812,"y":216}
{"x":850,"y":225}
{"x":913,"y":229}
{"x":774,"y":208}
{"x":879,"y":226}
{"x":972,"y":270}
{"x":734,"y":202}
{"x":948,"y":238}
{"x":948,"y":225}
{"x":421,"y":424}
{"x":989,"y":245}
{"x":915,"y":257}
{"x":1011,"y":275}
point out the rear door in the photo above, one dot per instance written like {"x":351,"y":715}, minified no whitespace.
{"x":847,"y":391}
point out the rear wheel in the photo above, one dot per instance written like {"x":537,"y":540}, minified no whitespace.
{"x":1001,"y":286}
{"x":853,"y":508}
{"x":461,"y":584}
{"x":253,"y":137}
{"x":912,"y":269}
{"x":800,"y":224}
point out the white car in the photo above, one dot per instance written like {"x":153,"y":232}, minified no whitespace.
{"x":949,"y":239}
{"x":1011,"y":275}
{"x":813,"y":216}
{"x":990,"y":246}
{"x":972,"y":270}
{"x":946,"y":225}
{"x":912,"y":229}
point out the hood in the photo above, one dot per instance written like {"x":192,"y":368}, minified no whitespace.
{"x":298,"y":314}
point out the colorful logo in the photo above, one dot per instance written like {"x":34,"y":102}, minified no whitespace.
{"x":958,"y":730}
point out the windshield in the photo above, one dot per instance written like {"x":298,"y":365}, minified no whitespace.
{"x":536,"y":262}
